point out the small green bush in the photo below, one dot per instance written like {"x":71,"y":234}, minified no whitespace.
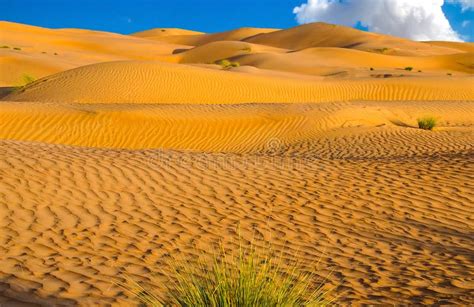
{"x":226,"y":64}
{"x":427,"y":123}
{"x":408,"y":68}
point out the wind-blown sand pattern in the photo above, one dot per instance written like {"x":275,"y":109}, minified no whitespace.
{"x":117,"y":159}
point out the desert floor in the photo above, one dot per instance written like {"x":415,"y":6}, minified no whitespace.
{"x":117,"y":160}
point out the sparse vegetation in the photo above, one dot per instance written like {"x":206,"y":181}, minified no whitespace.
{"x":17,"y":48}
{"x":371,"y":68}
{"x":26,"y":79}
{"x":226,"y":64}
{"x":427,"y":123}
{"x":5,"y":47}
{"x":247,"y":49}
{"x":382,"y":50}
{"x":409,"y":68}
{"x":245,"y":278}
{"x":419,"y":71}
{"x":449,"y":74}
{"x":55,"y":53}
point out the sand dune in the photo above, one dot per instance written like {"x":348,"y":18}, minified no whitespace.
{"x":201,"y":39}
{"x":327,"y":35}
{"x":135,"y":148}
{"x":354,"y":63}
{"x":215,"y":128}
{"x":163,"y":32}
{"x":40,"y":52}
{"x":154,"y":82}
{"x":212,"y":52}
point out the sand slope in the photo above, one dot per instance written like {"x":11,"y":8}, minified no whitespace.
{"x":40,"y":52}
{"x":247,"y":128}
{"x":155,"y":82}
{"x":197,"y":39}
{"x":327,"y":35}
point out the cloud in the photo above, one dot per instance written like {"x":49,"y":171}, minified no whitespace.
{"x":414,"y":19}
{"x":465,"y":23}
{"x":465,"y":4}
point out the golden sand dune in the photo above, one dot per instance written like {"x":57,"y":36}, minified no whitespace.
{"x":184,"y":38}
{"x":212,"y":52}
{"x":155,"y":82}
{"x":335,"y":61}
{"x":163,"y":32}
{"x":244,"y":128}
{"x":39,"y":52}
{"x":327,"y":35}
{"x":465,"y":46}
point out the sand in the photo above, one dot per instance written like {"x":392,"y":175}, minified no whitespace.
{"x":131,"y":149}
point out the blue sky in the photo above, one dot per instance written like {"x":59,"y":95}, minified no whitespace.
{"x":204,"y":15}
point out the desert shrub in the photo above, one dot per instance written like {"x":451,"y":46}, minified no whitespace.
{"x":226,"y":64}
{"x":17,"y":48}
{"x":371,"y":68}
{"x":382,"y":50}
{"x":245,"y":278}
{"x":26,"y":79}
{"x":449,"y":74}
{"x":408,"y":68}
{"x":247,"y":49}
{"x":5,"y":46}
{"x":427,"y":123}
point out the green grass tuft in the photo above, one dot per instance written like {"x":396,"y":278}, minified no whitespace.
{"x":427,"y":123}
{"x":246,"y":278}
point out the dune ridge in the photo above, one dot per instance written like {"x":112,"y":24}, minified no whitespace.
{"x":155,"y":82}
{"x":240,"y":128}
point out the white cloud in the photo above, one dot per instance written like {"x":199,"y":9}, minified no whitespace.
{"x":465,"y":4}
{"x":465,"y":23}
{"x":414,"y":19}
